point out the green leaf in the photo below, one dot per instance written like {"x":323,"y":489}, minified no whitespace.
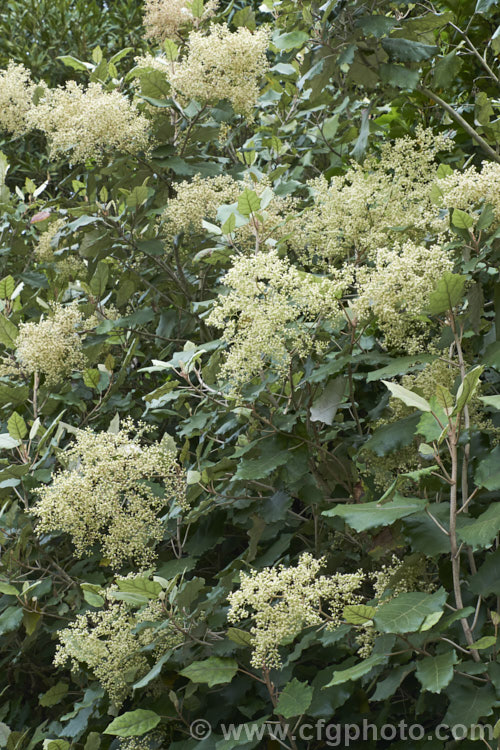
{"x":91,"y":594}
{"x":8,"y":332}
{"x":326,"y":405}
{"x":493,"y":401}
{"x":357,"y":614}
{"x":259,"y":468}
{"x":137,"y":196}
{"x":436,"y":672}
{"x":7,"y":286}
{"x":5,"y":733}
{"x":10,"y":619}
{"x":196,"y":7}
{"x":229,"y":225}
{"x":357,"y":671}
{"x":468,"y":387}
{"x":406,"y":50}
{"x":399,"y":76}
{"x":212,"y":671}
{"x":393,"y":436}
{"x":91,"y":377}
{"x":153,"y":673}
{"x":17,"y":426}
{"x":487,"y":579}
{"x":468,"y":703}
{"x":133,"y":723}
{"x":481,"y":532}
{"x":388,"y":687}
{"x":484,"y":6}
{"x":377,"y":25}
{"x":240,"y":637}
{"x":446,"y":70}
{"x":364,"y":132}
{"x":7,"y":588}
{"x":295,"y":699}
{"x":55,"y":695}
{"x":142,"y":586}
{"x":72,"y":62}
{"x":461,"y":220}
{"x":248,"y":202}
{"x":406,"y":612}
{"x":99,"y":279}
{"x":171,"y":50}
{"x":290,"y":40}
{"x":487,"y":641}
{"x":55,"y":745}
{"x":407,"y":397}
{"x":363,"y":516}
{"x":7,"y":442}
{"x":447,"y":293}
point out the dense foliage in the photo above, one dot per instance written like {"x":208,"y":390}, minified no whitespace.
{"x":250,"y":373}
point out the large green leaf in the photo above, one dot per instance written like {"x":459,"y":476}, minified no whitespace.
{"x":391,"y":437}
{"x":468,"y":703}
{"x":133,"y":723}
{"x":8,"y":332}
{"x":295,"y":699}
{"x":212,"y":671}
{"x":248,"y":202}
{"x":436,"y":672}
{"x":447,"y":293}
{"x":406,"y":612}
{"x":482,"y":531}
{"x":358,"y":670}
{"x":17,"y":426}
{"x":407,"y":397}
{"x":468,"y":387}
{"x":363,"y":516}
{"x":326,"y":405}
{"x":290,"y":40}
{"x":406,"y":50}
{"x":258,"y":468}
{"x":10,"y":619}
{"x":488,"y":471}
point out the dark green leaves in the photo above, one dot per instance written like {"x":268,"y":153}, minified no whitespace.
{"x":406,"y":50}
{"x":365,"y":516}
{"x":407,"y":612}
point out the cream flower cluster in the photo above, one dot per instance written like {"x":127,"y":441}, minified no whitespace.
{"x":164,"y":18}
{"x":84,"y":123}
{"x":382,"y":201}
{"x":52,"y":347}
{"x":282,"y":601}
{"x":44,"y":250}
{"x":222,"y":65}
{"x":396,"y":290}
{"x":105,"y":497}
{"x":105,"y":643}
{"x":269,"y":314}
{"x":470,"y":190}
{"x":201,"y":197}
{"x":16,"y":98}
{"x":197,"y":200}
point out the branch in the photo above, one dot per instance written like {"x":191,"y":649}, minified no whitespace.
{"x":463,"y":123}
